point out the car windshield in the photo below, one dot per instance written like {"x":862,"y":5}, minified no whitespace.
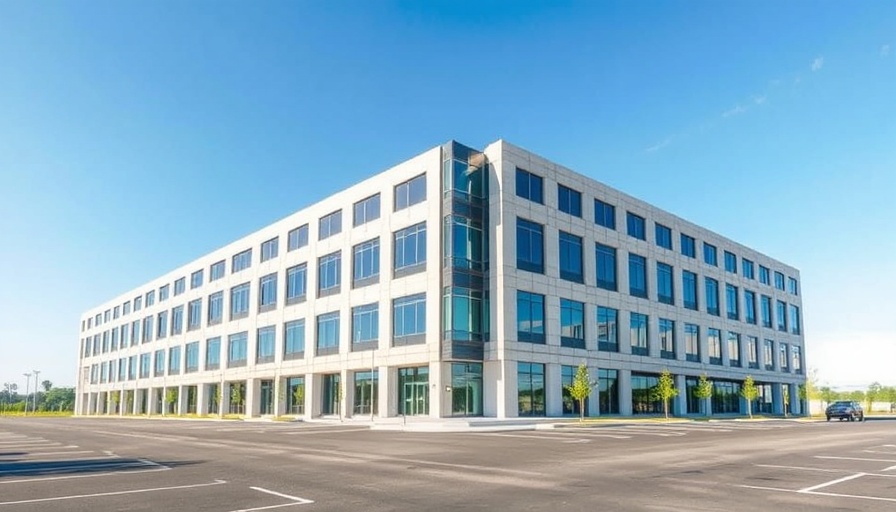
{"x":842,"y":403}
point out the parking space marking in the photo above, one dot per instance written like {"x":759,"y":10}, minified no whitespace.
{"x":832,"y":482}
{"x":315,"y":430}
{"x":294,"y":500}
{"x":114,"y":493}
{"x":43,"y":454}
{"x":802,"y":468}
{"x":852,"y":458}
{"x":817,"y":493}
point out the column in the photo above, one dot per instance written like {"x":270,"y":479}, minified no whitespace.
{"x":224,"y":399}
{"x":252,"y":398}
{"x":386,"y":400}
{"x":553,"y":389}
{"x":593,"y":409}
{"x":280,"y":392}
{"x":202,"y":399}
{"x":91,"y":403}
{"x":625,"y":392}
{"x":313,"y":387}
{"x":680,"y":402}
{"x":777,"y":398}
{"x":180,"y":407}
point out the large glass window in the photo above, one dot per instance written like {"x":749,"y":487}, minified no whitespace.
{"x":638,"y":333}
{"x":241,"y":261}
{"x":665,"y":290}
{"x":604,"y":214}
{"x":192,"y":357}
{"x":710,"y":254}
{"x":797,"y":356}
{"x":764,"y":275}
{"x":161,"y":325}
{"x":793,"y":286}
{"x":608,"y":391}
{"x":159,"y":359}
{"x":213,"y":353}
{"x":606,"y":266}
{"x":571,"y":267}
{"x":635,"y":225}
{"x":145,"y":362}
{"x":667,"y":338}
{"x":753,"y":352}
{"x":365,"y":326}
{"x":267,"y":292}
{"x":464,"y":177}
{"x":296,"y":283}
{"x":779,"y":281}
{"x":783,"y":362}
{"x":781,"y":315}
{"x":410,"y":247}
{"x":572,"y":324}
{"x":177,"y":320}
{"x":196,"y":279}
{"x":712,"y":296}
{"x":530,"y":317}
{"x":794,"y":319}
{"x":529,"y":186}
{"x":529,"y":246}
{"x":730,"y":262}
{"x":365,"y":391}
{"x":689,"y":289}
{"x":462,"y":314}
{"x":237,"y":345}
{"x":239,"y":301}
{"x":294,"y":339}
{"x":180,"y":285}
{"x":216,"y":270}
{"x":663,"y":236}
{"x":295,"y":395}
{"x":270,"y":249}
{"x":410,"y":192}
{"x":570,"y":404}
{"x":266,"y":344}
{"x":768,"y":354}
{"x":731,"y":305}
{"x":328,"y":333}
{"x":644,"y":399}
{"x":215,"y":308}
{"x":331,"y":396}
{"x":749,"y":307}
{"x":688,"y":246}
{"x":329,"y":273}
{"x":734,"y":349}
{"x":692,"y":342}
{"x":409,"y":319}
{"x":329,"y":225}
{"x":366,"y":210}
{"x":297,"y":238}
{"x":147,"y":329}
{"x":747,"y":268}
{"x":366,"y":263}
{"x":725,"y":397}
{"x":463,"y":243}
{"x":569,"y":201}
{"x":766,"y":309}
{"x":607,"y":329}
{"x":637,"y":275}
{"x":466,"y":389}
{"x":530,"y":389}
{"x":714,"y":344}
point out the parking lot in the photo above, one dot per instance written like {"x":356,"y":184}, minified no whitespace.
{"x":137,"y":464}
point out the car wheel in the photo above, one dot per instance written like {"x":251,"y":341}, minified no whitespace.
{"x":852,"y":417}
{"x":828,"y":417}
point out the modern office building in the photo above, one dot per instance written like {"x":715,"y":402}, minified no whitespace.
{"x":458,"y":283}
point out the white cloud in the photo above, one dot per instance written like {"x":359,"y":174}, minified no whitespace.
{"x":739,"y":109}
{"x":817,"y":63}
{"x":660,"y":145}
{"x":885,"y":50}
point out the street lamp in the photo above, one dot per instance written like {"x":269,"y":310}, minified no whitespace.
{"x":36,"y":383}
{"x":27,"y":388}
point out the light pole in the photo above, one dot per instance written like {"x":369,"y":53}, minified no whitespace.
{"x":27,"y":388}
{"x":36,"y":384}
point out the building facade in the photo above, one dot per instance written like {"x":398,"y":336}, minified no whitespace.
{"x":458,"y":283}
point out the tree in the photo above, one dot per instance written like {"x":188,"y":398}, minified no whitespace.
{"x":46,"y":385}
{"x":115,"y":398}
{"x":872,"y":395}
{"x":60,"y":399}
{"x":703,"y":392}
{"x":750,"y":392}
{"x":665,"y":390}
{"x":889,"y":393}
{"x":581,"y":388}
{"x":298,"y":398}
{"x":785,"y":397}
{"x":170,"y":399}
{"x":236,"y":395}
{"x":828,"y":395}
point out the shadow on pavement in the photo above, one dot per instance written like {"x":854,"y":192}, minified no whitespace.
{"x":76,"y":466}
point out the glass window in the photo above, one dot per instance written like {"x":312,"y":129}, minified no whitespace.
{"x":747,"y":267}
{"x":150,"y":300}
{"x":410,"y":192}
{"x":712,"y":296}
{"x":730,"y":262}
{"x":570,"y":404}
{"x":792,"y":286}
{"x":194,"y":314}
{"x":295,"y":395}
{"x":665,"y":290}
{"x":410,"y":247}
{"x":161,"y":325}
{"x":529,"y":246}
{"x":236,"y":349}
{"x":644,"y":399}
{"x":608,"y":391}
{"x":163,"y":294}
{"x":296,"y":283}
{"x":731,"y":305}
{"x":692,"y":342}
{"x":173,"y":360}
{"x":464,"y":177}
{"x":635,"y":225}
{"x":241,"y":261}
{"x":783,"y":362}
{"x":329,"y":273}
{"x":408,"y":317}
{"x":328,"y":333}
{"x":267,"y":292}
{"x":365,"y":326}
{"x":604,"y":214}
{"x":752,"y":352}
{"x":571,"y":267}
{"x":462,"y":314}
{"x":297,"y":238}
{"x":764,"y":275}
{"x":529,"y":186}
{"x":365,"y":391}
{"x":159,"y":358}
{"x":572,"y":324}
{"x":688,"y":246}
{"x":569,"y":201}
{"x":116,"y":312}
{"x":779,"y":281}
{"x":667,"y":338}
{"x":710,"y":255}
{"x":663,"y":236}
{"x":239,"y":301}
{"x":797,"y":357}
{"x":294,"y":339}
{"x":366,"y":263}
{"x":794,"y":319}
{"x":749,"y":307}
{"x":215,"y":308}
{"x":607,"y":329}
{"x":530,"y":317}
{"x":714,"y":342}
{"x":216,"y":270}
{"x":769,"y":354}
{"x":145,"y":365}
{"x":689,"y":289}
{"x":463,"y":242}
{"x":213,"y":353}
{"x":266,"y":344}
{"x":766,"y":310}
{"x":138,"y":304}
{"x":191,"y":351}
{"x":530,"y":389}
{"x":147,"y":329}
{"x":177,"y":320}
{"x":180,"y":286}
{"x":781,"y":315}
{"x":329,"y":225}
{"x":638,"y":333}
{"x":270,"y":249}
{"x":733,"y":349}
{"x":637,"y":275}
{"x":126,"y":308}
{"x":606,"y":266}
{"x":196,"y":279}
{"x":366,"y":210}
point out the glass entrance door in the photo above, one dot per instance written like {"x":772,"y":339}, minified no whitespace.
{"x":466,"y":389}
{"x":413,"y":390}
{"x":331,"y":394}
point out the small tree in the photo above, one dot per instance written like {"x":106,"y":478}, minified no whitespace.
{"x":802,"y":392}
{"x":785,"y":397}
{"x":750,"y":392}
{"x":298,"y":399}
{"x":581,"y":388}
{"x":236,"y":396}
{"x":874,"y":393}
{"x":170,"y":399}
{"x":703,"y":392}
{"x":665,"y":390}
{"x":47,"y":385}
{"x":115,"y":398}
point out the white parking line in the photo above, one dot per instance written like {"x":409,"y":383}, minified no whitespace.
{"x":308,"y":431}
{"x":294,"y":500}
{"x":832,"y":482}
{"x":853,"y":458}
{"x":116,"y":493}
{"x":802,"y":468}
{"x":816,"y":493}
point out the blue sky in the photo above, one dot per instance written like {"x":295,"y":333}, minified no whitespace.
{"x":137,"y":136}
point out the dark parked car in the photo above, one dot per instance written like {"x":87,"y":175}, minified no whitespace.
{"x":845,"y":410}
